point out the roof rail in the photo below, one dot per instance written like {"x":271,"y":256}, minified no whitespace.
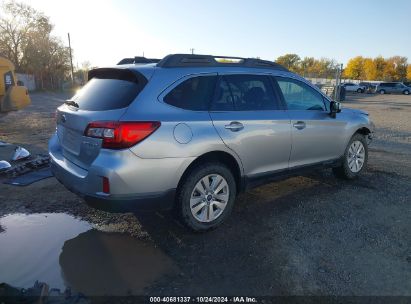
{"x":190,"y":60}
{"x":138,"y":60}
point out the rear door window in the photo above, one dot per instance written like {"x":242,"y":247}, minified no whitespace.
{"x":193,"y":94}
{"x":109,"y":89}
{"x":245,"y":93}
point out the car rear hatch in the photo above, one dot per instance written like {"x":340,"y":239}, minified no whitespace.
{"x":105,"y":97}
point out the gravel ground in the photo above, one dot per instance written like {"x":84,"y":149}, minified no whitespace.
{"x":308,"y":235}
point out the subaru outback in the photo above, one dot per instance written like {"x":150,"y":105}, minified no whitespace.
{"x":192,"y":131}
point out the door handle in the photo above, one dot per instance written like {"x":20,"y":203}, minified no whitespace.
{"x":234,"y":126}
{"x":299,"y":125}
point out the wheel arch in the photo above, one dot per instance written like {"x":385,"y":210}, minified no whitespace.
{"x":217,"y":156}
{"x":363,"y":130}
{"x":358,"y":129}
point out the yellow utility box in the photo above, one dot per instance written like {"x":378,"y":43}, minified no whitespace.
{"x":12,"y":96}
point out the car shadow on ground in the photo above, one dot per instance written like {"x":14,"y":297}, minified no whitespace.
{"x":312,"y":234}
{"x":231,"y":258}
{"x":261,"y":249}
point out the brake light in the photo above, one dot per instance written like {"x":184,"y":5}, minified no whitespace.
{"x":119,"y":134}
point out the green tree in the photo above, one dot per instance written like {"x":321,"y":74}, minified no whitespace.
{"x":307,"y":66}
{"x":326,"y":68}
{"x":290,"y":61}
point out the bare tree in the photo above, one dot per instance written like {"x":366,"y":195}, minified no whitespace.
{"x":26,"y":39}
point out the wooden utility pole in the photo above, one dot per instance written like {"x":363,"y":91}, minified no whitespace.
{"x":71,"y":60}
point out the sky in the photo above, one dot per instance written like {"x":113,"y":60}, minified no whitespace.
{"x":103,"y":32}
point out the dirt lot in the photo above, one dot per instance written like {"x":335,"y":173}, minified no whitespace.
{"x":310,"y":235}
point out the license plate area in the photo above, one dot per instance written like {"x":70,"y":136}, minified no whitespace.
{"x":71,"y":141}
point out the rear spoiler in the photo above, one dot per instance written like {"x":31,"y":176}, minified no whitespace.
{"x":138,"y":60}
{"x":118,"y":73}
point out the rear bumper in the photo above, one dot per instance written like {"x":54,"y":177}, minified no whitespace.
{"x":116,"y":203}
{"x":135,"y":183}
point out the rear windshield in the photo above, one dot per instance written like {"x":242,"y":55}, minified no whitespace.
{"x":109,"y":89}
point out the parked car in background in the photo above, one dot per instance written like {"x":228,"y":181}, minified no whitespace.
{"x":393,"y":87}
{"x":191,"y":132}
{"x":369,"y":87}
{"x":352,"y":87}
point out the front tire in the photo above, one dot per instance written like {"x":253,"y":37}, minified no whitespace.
{"x":382,"y":92}
{"x":359,"y":91}
{"x":406,"y":92}
{"x":206,"y":196}
{"x":355,"y":158}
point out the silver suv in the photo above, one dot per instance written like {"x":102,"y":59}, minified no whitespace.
{"x":393,"y":87}
{"x":192,"y":131}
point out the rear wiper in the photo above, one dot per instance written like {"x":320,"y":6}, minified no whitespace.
{"x":70,"y":102}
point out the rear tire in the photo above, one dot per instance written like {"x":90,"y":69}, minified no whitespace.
{"x":359,"y":91}
{"x":206,"y":196}
{"x":355,"y":158}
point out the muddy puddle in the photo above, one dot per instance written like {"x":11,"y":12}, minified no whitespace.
{"x":63,"y":251}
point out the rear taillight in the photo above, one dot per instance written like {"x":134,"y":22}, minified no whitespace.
{"x":121,"y":135}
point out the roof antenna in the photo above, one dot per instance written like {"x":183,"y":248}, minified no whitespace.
{"x":192,"y":51}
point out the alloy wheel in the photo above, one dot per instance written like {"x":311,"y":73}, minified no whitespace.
{"x":209,"y":198}
{"x":356,"y":156}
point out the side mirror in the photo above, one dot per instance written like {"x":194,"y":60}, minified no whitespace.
{"x":335,"y":107}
